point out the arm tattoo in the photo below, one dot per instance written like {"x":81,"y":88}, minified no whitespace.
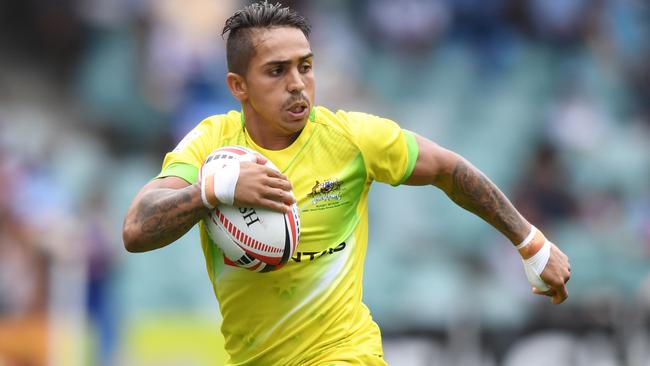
{"x":474,"y":192}
{"x":165,"y":216}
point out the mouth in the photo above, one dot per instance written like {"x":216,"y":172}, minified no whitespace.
{"x":298,"y":110}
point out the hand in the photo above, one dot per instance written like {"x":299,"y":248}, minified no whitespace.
{"x":556,"y":274}
{"x":261,"y":186}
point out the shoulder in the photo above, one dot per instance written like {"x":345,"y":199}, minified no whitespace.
{"x":354,"y":124}
{"x":210,"y":129}
{"x":222,"y":124}
{"x":347,"y":123}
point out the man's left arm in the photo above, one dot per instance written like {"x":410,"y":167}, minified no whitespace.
{"x":473,"y":191}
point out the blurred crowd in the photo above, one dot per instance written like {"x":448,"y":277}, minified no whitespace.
{"x":551,"y":98}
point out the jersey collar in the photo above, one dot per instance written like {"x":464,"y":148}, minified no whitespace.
{"x":284,"y":158}
{"x":312,"y":116}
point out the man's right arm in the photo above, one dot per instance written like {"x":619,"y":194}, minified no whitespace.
{"x":163,"y":210}
{"x":166,"y":208}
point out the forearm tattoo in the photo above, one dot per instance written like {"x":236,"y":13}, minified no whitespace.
{"x":474,"y":192}
{"x":165,"y":217}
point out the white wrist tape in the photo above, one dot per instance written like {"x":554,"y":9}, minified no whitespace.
{"x":534,"y":266}
{"x":204,"y":198}
{"x":225,"y":181}
{"x":529,"y":238}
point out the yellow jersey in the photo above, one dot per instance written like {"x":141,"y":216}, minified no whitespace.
{"x":309,"y":312}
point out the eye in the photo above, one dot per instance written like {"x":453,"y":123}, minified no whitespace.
{"x":276,"y":71}
{"x":305,"y":67}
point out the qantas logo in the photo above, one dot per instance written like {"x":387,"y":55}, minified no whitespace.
{"x":310,"y":256}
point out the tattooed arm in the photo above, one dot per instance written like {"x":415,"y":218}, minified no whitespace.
{"x":167,"y":208}
{"x":473,"y":191}
{"x":162,"y":212}
{"x":468,"y":188}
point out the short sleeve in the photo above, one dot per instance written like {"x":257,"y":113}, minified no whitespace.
{"x":188,"y":156}
{"x":389,"y":152}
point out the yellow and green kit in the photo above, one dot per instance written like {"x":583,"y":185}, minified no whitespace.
{"x":309,"y":312}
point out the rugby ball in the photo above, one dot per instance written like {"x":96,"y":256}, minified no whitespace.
{"x":257,"y":239}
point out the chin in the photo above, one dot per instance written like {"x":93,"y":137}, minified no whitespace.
{"x":295,"y":125}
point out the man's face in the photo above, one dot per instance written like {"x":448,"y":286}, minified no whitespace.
{"x":280,"y":80}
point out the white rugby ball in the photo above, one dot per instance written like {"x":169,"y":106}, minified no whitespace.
{"x":257,"y":239}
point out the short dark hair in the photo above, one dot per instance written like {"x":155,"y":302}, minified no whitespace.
{"x":239,"y":47}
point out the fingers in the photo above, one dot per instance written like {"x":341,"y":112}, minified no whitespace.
{"x":276,"y":202}
{"x":557,"y":294}
{"x":561,"y":294}
{"x":260,"y":164}
{"x":262,"y":186}
{"x":274,"y":174}
{"x":277,"y":180}
{"x":253,"y":167}
{"x":280,"y":195}
{"x":279,"y":183}
{"x":279,"y":188}
{"x":275,"y":205}
{"x":556,"y":274}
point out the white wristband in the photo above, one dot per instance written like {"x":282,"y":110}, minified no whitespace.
{"x":225,"y":181}
{"x":529,"y":238}
{"x":534,"y":266}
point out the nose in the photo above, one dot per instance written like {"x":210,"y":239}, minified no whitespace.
{"x":295,"y":83}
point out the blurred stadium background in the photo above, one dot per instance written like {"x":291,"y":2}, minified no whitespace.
{"x":551,"y":98}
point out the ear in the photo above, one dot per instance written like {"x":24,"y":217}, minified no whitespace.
{"x":237,"y":85}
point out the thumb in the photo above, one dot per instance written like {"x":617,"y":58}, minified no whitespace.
{"x":259,"y":159}
{"x":549,"y":292}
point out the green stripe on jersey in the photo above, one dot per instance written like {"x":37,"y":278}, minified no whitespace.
{"x":182,"y":170}
{"x":413,"y":151}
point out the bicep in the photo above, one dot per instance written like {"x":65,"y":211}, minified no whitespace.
{"x":163,"y":210}
{"x":169,"y":182}
{"x":434,"y":164}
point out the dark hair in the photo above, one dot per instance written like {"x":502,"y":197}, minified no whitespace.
{"x":239,"y":47}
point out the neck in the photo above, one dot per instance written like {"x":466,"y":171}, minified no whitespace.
{"x":265,"y":135}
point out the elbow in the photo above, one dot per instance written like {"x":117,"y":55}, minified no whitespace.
{"x":130,"y":238}
{"x":135,"y":241}
{"x":447,"y":165}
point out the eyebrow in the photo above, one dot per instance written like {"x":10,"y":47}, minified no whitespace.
{"x":285,"y":62}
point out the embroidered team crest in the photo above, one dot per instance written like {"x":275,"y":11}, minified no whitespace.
{"x":326,"y":190}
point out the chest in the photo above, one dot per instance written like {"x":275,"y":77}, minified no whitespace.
{"x":328,"y":189}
